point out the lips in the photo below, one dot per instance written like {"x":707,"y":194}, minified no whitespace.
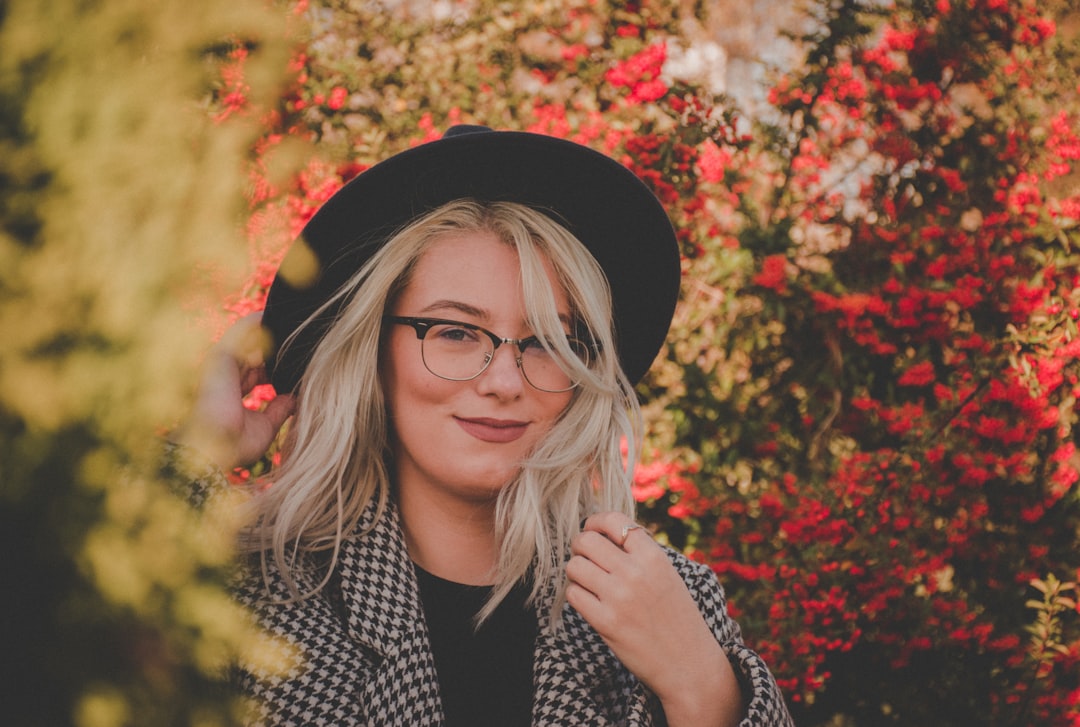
{"x":493,"y":430}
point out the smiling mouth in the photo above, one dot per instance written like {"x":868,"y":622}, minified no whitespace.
{"x":493,"y":430}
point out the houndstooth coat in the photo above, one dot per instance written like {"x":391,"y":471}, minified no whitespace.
{"x":364,"y":658}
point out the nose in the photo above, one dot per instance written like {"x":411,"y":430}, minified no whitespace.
{"x":503,"y":377}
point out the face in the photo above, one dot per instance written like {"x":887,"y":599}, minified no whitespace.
{"x":465,"y":439}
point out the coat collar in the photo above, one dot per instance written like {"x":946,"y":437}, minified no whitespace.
{"x":575,"y":673}
{"x":382,"y":598}
{"x":378,"y":583}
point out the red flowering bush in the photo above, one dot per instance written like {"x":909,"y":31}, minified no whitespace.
{"x":865,"y":417}
{"x":883,"y":429}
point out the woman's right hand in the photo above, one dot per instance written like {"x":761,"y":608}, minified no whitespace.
{"x":220,"y":427}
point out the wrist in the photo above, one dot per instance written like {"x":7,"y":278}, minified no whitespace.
{"x":706,"y":692}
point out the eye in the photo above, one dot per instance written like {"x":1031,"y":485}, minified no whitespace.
{"x":532,"y":346}
{"x":581,"y":349}
{"x":450,"y":333}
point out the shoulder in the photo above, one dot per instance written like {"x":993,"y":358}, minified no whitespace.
{"x":189,"y":475}
{"x":689,"y":569}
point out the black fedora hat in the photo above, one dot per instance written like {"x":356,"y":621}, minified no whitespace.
{"x":600,"y":201}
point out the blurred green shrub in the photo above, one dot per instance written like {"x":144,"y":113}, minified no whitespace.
{"x":121,"y":217}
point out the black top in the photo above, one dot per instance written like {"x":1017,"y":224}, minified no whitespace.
{"x":485,"y":675}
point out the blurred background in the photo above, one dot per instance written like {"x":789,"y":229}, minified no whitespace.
{"x":865,"y":417}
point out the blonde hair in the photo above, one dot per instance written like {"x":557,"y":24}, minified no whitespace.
{"x":338,"y":449}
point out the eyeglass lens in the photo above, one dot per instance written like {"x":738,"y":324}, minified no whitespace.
{"x":459,"y":353}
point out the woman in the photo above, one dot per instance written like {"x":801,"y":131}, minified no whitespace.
{"x":449,"y":539}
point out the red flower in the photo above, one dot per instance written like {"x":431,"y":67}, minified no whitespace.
{"x":773,"y":274}
{"x":713,"y":161}
{"x":641,"y":74}
{"x":337,"y":99}
{"x":921,"y":374}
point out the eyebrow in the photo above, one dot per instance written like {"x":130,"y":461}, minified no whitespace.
{"x":473,"y":311}
{"x":465,"y":308}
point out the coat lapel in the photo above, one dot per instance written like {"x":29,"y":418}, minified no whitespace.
{"x":579,"y":680}
{"x":383,"y":614}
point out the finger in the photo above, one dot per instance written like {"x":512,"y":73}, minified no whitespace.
{"x":583,"y":601}
{"x":247,"y":342}
{"x":246,"y":346}
{"x":279,"y":409}
{"x":586,"y":603}
{"x":616,"y":527}
{"x":608,"y":524}
{"x":598,"y":548}
{"x":636,"y":538}
{"x":587,"y":574}
{"x":251,"y":377}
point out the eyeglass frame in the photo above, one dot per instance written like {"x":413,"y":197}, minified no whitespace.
{"x":422,"y":325}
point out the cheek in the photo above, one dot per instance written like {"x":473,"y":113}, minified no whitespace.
{"x":401,"y":368}
{"x":561,"y":402}
{"x":398,"y":381}
{"x":554,"y":406}
{"x":415,"y":398}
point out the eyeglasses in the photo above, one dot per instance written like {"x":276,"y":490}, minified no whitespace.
{"x":459,"y":351}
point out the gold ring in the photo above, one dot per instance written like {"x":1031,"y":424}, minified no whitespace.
{"x":626,"y":531}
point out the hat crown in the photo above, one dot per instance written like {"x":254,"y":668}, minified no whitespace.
{"x":464,"y":129}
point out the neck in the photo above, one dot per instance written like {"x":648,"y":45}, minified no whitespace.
{"x":450,"y":538}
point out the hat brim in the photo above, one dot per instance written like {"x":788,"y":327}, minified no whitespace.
{"x":601,"y":202}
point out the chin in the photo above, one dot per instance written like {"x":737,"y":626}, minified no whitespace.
{"x":490,"y":484}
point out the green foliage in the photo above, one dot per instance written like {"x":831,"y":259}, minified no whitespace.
{"x":120,"y":207}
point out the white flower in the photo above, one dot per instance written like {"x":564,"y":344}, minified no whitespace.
{"x":704,"y":62}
